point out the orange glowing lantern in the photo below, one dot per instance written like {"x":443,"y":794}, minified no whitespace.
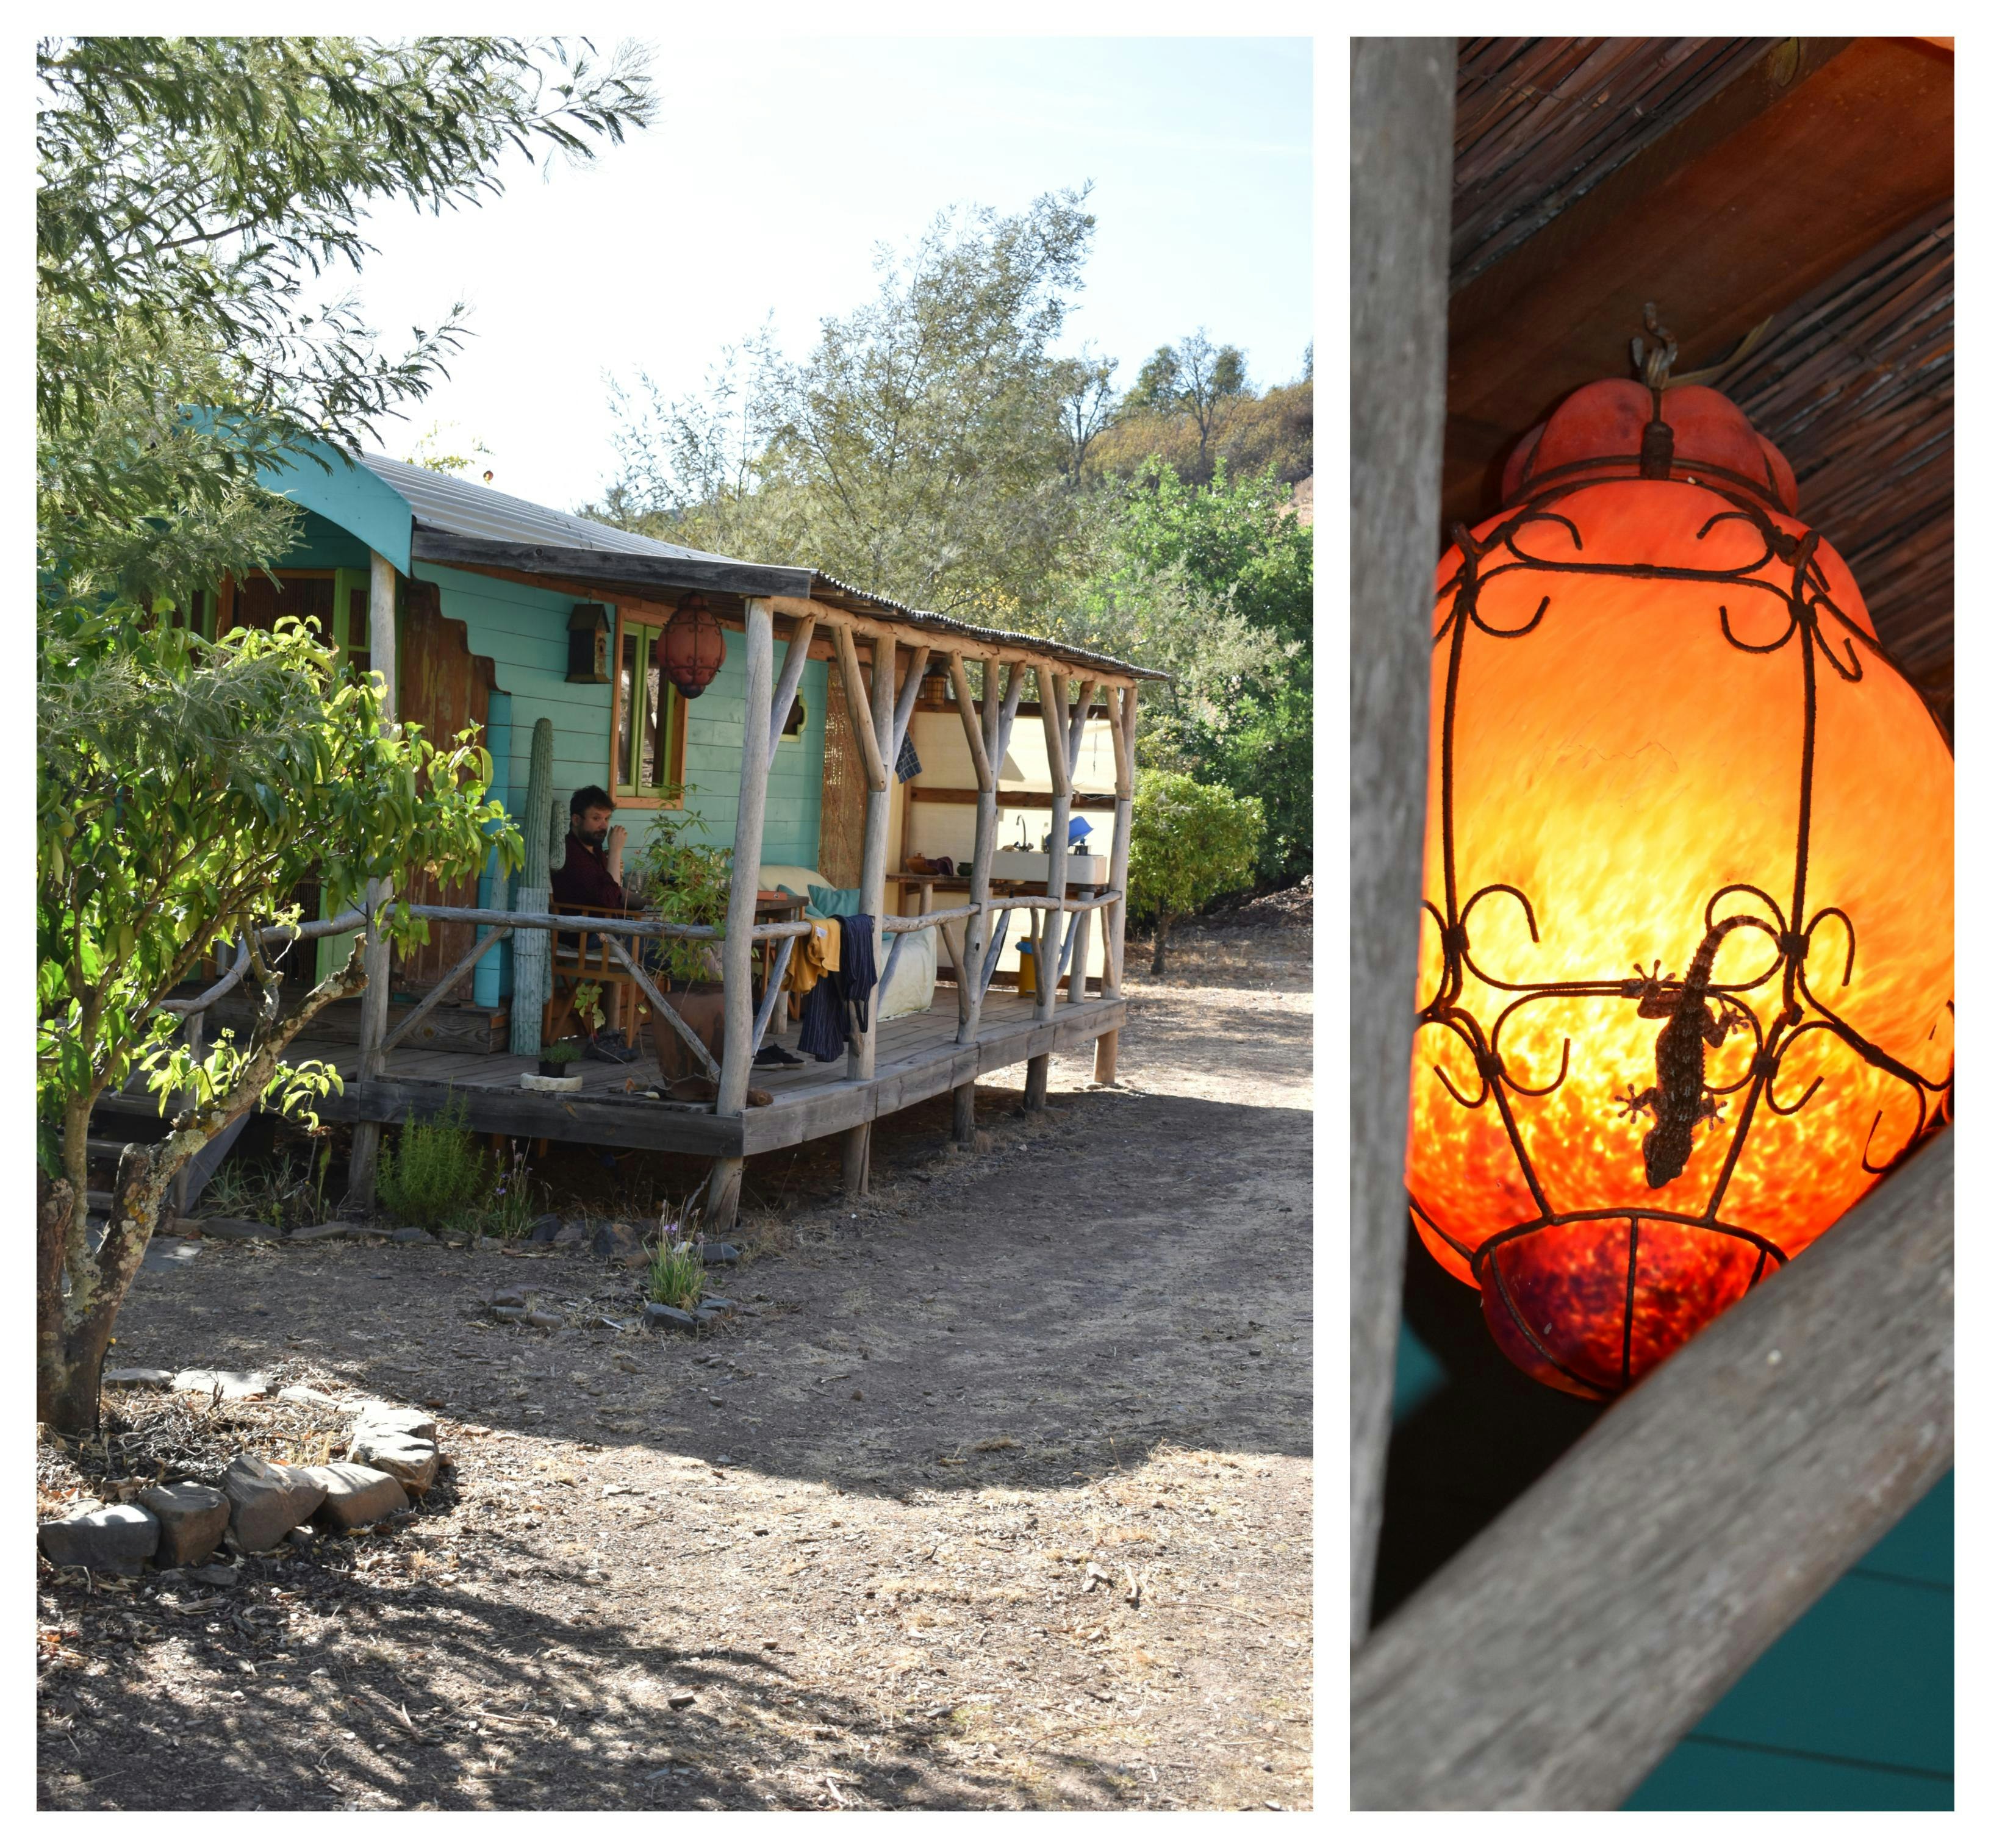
{"x":694,"y":647}
{"x":1663,"y":732}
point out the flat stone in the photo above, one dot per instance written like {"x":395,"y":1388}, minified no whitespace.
{"x":267,"y":1500}
{"x":718,"y":1252}
{"x":192,"y":1518}
{"x":573,"y":1232}
{"x":411,"y":1235}
{"x":168,"y":1255}
{"x":410,"y":1460}
{"x":105,"y":1539}
{"x":223,"y":1576}
{"x":513,"y":1299}
{"x":702,"y":1316}
{"x":139,"y":1376}
{"x":545,"y":1318}
{"x":545,"y":1229}
{"x":509,"y":1312}
{"x":720,"y":1306}
{"x":332,"y":1228}
{"x":355,"y":1496}
{"x":662,"y":1316}
{"x":238,"y":1228}
{"x":384,"y":1414}
{"x":233,"y":1385}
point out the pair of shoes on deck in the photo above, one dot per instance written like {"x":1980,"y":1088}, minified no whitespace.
{"x":775,"y":1055}
{"x":610,"y":1047}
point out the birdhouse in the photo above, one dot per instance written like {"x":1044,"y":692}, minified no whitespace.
{"x":588,"y":644}
{"x":1686,"y":965}
{"x":694,"y":647}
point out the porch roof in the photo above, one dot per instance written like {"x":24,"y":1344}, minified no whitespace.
{"x":461,"y":523}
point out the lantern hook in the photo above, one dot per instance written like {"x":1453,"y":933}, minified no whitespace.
{"x":1654,"y":357}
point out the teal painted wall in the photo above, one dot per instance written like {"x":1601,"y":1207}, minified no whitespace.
{"x":321,"y":546}
{"x":1853,"y":1708}
{"x":524,"y":631}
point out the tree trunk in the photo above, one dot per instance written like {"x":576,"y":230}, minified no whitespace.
{"x":1159,"y":966}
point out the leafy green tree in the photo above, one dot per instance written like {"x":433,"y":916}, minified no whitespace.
{"x":182,"y":785}
{"x":1156,"y":384}
{"x":1190,"y":842}
{"x":919,"y":450}
{"x":1215,"y":587}
{"x":191,"y":193}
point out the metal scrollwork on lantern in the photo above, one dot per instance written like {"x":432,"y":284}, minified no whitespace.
{"x":694,"y":647}
{"x":1687,"y":959}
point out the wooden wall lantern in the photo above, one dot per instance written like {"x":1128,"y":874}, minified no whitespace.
{"x":1687,"y":956}
{"x":587,"y":639}
{"x":694,"y":647}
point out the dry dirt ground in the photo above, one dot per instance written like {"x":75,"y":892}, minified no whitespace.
{"x":1002,"y":1499}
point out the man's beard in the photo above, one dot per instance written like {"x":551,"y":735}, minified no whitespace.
{"x":592,"y":838}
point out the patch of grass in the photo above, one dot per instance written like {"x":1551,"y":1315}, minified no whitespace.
{"x":286,"y":1190}
{"x":677,"y":1272}
{"x":511,"y":1206}
{"x":435,"y":1172}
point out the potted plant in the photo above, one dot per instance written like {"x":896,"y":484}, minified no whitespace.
{"x":555,"y":1060}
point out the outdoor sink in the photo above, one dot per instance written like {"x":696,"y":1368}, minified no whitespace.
{"x":1080,"y":868}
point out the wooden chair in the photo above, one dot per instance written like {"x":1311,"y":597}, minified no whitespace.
{"x":585,"y":957}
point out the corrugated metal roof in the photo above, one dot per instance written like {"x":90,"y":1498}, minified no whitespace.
{"x":471,"y":512}
{"x":476,"y":513}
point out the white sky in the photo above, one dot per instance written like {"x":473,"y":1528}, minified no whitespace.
{"x":777,"y":166}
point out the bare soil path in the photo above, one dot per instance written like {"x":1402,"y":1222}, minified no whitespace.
{"x":1002,"y":1499}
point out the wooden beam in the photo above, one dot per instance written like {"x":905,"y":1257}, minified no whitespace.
{"x":792,"y":664}
{"x":902,"y":714}
{"x":956,"y":673}
{"x":912,"y":634}
{"x":1010,"y":799}
{"x":1012,"y":698}
{"x":465,"y":963}
{"x":863,"y":1060}
{"x":1081,"y":710}
{"x":1053,"y":697}
{"x":1556,"y":1660}
{"x":858,"y":704}
{"x":738,"y":951}
{"x":1758,"y":197}
{"x":1399,"y":215}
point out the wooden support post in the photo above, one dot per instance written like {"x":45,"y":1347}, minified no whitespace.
{"x":1106,"y":1052}
{"x":736,"y":1065}
{"x":1400,"y":124}
{"x":1037,"y":1083}
{"x":902,"y":714}
{"x":864,"y":1055}
{"x":792,"y":665}
{"x":1052,"y":700}
{"x":964,"y":1114}
{"x":1553,"y":1662}
{"x":971,"y":722}
{"x":362,"y":1170}
{"x":436,"y":995}
{"x":988,"y":798}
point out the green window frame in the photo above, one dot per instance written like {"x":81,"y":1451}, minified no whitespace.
{"x":647,"y":722}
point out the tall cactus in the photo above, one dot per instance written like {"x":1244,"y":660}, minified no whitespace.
{"x":532,"y":955}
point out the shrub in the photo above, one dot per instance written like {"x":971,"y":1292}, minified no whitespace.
{"x":677,"y":1272}
{"x":436,"y":1171}
{"x":1190,"y":842}
{"x":681,"y":882}
{"x":509,"y":1208}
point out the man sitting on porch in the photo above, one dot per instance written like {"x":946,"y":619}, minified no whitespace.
{"x":592,"y":872}
{"x":591,"y":875}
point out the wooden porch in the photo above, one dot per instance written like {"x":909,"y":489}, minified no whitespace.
{"x":918,"y":1057}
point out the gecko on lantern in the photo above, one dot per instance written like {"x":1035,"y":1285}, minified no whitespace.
{"x":1681,"y":1101}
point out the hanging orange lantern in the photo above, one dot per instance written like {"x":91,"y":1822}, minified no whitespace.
{"x":694,"y":647}
{"x":1686,"y":962}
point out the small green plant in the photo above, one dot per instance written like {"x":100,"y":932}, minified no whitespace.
{"x":509,"y":1208}
{"x":436,"y":1170}
{"x":1190,"y":842}
{"x":677,"y":1272}
{"x":286,"y":1190}
{"x":587,"y":1006}
{"x":681,"y":882}
{"x":562,"y":1052}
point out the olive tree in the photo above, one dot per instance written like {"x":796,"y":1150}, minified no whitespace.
{"x":183,"y":787}
{"x":1190,"y":842}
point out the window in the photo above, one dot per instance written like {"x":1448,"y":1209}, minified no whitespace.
{"x":337,"y":601}
{"x":646,"y":743}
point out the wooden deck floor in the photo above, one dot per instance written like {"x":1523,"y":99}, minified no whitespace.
{"x":917,"y":1059}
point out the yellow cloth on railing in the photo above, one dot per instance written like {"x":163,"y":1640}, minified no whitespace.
{"x":815,"y":956}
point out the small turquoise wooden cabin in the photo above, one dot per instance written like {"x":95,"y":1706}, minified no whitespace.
{"x":890,"y":739}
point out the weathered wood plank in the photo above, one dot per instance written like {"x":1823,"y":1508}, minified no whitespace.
{"x":641,"y":1123}
{"x":643,"y":570}
{"x":1401,"y":206}
{"x":1555,"y":1661}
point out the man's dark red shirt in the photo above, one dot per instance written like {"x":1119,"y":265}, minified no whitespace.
{"x":584,"y":878}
